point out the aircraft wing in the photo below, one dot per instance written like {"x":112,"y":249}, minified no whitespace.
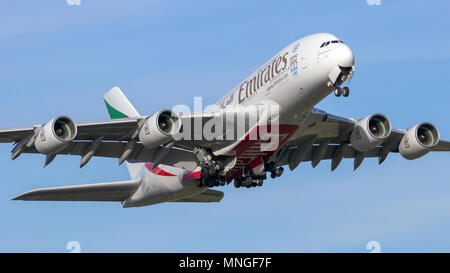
{"x":111,"y":138}
{"x":116,"y":129}
{"x":328,"y":137}
{"x":204,"y":197}
{"x":110,"y":191}
{"x":442,"y":146}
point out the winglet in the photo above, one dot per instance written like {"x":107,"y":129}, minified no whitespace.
{"x":118,"y":105}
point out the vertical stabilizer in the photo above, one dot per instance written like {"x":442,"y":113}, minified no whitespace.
{"x":120,"y":107}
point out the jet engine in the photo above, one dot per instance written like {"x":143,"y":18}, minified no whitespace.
{"x":159,"y":128}
{"x":418,"y":140}
{"x":55,"y":135}
{"x":370,"y":132}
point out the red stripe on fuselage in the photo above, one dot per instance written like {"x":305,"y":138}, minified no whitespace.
{"x":248,"y":153}
{"x":249,"y":149}
{"x":191,"y":176}
{"x":157,"y":170}
{"x":255,"y":163}
{"x":161,"y":172}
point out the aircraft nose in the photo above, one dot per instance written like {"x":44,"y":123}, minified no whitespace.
{"x":344,"y":56}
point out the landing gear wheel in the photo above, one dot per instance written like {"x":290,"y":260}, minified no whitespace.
{"x":273,"y":175}
{"x":279,"y":171}
{"x":210,"y":182}
{"x":216,"y":182}
{"x":338,"y":92}
{"x":248,"y":182}
{"x":345,"y":91}
{"x":222,"y":181}
{"x":237,"y":183}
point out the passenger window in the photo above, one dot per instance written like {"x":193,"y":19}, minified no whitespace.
{"x":335,"y":41}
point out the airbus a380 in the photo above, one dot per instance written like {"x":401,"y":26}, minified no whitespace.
{"x":171,"y":159}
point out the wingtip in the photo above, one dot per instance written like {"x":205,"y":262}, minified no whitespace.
{"x":19,"y":197}
{"x":24,"y":196}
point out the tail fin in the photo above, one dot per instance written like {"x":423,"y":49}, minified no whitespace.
{"x":120,"y":107}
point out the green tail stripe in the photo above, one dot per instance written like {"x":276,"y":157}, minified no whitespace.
{"x":113,"y":113}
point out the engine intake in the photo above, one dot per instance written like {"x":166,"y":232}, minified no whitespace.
{"x":159,"y":128}
{"x":370,"y":132}
{"x":418,"y":140}
{"x":55,"y":135}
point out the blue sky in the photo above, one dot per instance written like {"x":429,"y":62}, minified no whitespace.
{"x":60,"y":59}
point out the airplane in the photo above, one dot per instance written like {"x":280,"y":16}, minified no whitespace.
{"x":274,"y":123}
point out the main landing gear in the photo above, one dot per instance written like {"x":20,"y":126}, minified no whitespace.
{"x":344,"y":91}
{"x":249,"y":181}
{"x":214,"y":181}
{"x":211,"y":175}
{"x":276,"y":172}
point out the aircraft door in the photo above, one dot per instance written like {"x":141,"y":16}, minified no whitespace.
{"x":304,"y":59}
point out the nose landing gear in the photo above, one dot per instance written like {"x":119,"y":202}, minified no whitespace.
{"x":337,"y":77}
{"x":344,"y":91}
{"x":338,"y":91}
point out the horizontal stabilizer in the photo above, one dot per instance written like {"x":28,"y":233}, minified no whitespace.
{"x":206,"y":196}
{"x":111,"y":191}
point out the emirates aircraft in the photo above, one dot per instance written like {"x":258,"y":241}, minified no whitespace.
{"x":264,"y":123}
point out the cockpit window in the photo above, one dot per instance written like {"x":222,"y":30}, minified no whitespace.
{"x":324,"y":44}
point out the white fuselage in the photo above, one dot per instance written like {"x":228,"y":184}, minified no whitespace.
{"x":296,"y":79}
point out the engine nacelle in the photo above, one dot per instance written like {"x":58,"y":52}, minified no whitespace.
{"x":55,"y":135}
{"x":159,"y":128}
{"x":418,"y":140}
{"x":370,"y":132}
